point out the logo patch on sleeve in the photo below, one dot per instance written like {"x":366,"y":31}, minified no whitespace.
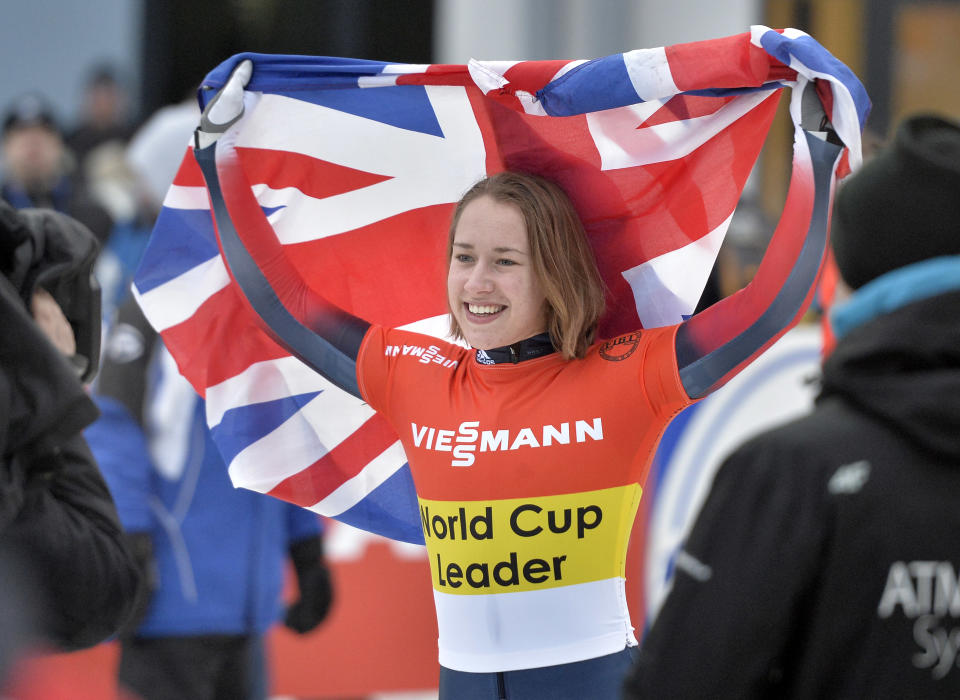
{"x":620,"y":348}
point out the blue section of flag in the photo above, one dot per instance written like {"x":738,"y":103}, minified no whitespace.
{"x":181,"y":240}
{"x":733,"y":92}
{"x":809,"y":52}
{"x":404,"y":106}
{"x":243,"y":426}
{"x":378,"y":510}
{"x":590,"y":87}
{"x":276,"y":73}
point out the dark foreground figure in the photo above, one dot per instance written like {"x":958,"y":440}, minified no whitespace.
{"x":825,"y":561}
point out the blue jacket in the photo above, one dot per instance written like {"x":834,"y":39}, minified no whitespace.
{"x":220,"y":552}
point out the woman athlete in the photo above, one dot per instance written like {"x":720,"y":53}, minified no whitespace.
{"x":528,"y":450}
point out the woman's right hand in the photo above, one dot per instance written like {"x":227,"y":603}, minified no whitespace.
{"x":226,"y":107}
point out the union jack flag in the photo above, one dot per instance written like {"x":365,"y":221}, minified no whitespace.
{"x":357,"y":166}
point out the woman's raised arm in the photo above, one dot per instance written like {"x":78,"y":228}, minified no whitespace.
{"x":320,"y":334}
{"x":719,"y":341}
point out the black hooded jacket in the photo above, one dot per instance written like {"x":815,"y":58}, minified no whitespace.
{"x":60,"y":538}
{"x":825,"y":561}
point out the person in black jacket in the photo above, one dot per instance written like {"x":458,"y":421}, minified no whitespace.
{"x":60,"y":539}
{"x":826,"y":559}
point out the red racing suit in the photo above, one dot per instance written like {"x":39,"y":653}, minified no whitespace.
{"x":528,"y":485}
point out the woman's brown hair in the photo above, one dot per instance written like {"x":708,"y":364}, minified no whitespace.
{"x":562,"y":259}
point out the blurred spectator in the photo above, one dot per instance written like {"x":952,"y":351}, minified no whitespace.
{"x":132,"y":182}
{"x":825,"y":560}
{"x":99,"y":143}
{"x":157,"y":149}
{"x":38,"y":170}
{"x":60,"y":538}
{"x":217,"y":554}
{"x":104,"y":114}
{"x":117,"y":187}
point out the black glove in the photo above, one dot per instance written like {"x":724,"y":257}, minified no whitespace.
{"x":316,"y":586}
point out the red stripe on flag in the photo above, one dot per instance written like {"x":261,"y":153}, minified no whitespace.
{"x":829,"y":277}
{"x":438,"y":74}
{"x":390,"y":273}
{"x":343,"y":462}
{"x":314,"y":177}
{"x":413,"y":237}
{"x":730,"y":62}
{"x":825,"y":92}
{"x":219,"y":341}
{"x":261,"y":243}
{"x":843,"y":168}
{"x":481,"y":111}
{"x":682,"y":107}
{"x":531,"y":76}
{"x":531,"y":144}
{"x":742,"y":310}
{"x":189,"y":173}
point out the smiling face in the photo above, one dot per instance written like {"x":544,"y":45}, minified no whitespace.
{"x":492,"y":288}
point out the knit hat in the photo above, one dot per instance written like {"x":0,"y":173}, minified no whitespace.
{"x":30,"y":109}
{"x":903,"y":205}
